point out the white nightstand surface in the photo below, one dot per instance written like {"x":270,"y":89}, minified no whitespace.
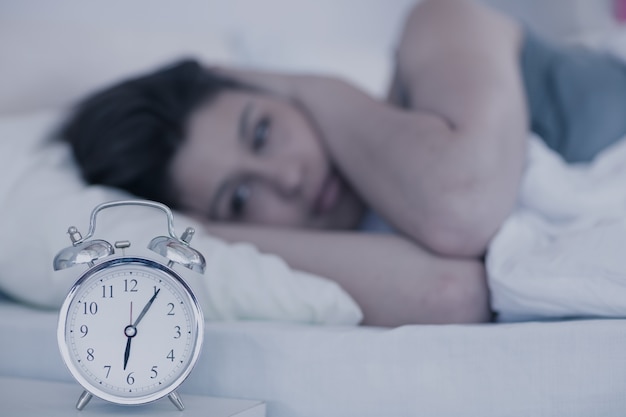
{"x":29,"y":397}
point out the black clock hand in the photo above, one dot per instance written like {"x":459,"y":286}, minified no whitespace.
{"x":146,"y":308}
{"x":127,"y":351}
{"x":130,"y":331}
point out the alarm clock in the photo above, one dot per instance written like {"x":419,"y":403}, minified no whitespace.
{"x":130,"y":329}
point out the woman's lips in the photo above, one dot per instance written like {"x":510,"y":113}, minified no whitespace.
{"x":328,"y":195}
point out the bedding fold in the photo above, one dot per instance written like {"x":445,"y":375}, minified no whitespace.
{"x":561,"y":253}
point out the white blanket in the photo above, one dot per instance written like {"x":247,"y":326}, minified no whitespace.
{"x":562,"y":253}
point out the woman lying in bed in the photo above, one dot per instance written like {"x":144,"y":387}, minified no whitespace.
{"x":299,"y":164}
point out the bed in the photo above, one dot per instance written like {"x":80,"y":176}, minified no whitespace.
{"x":573,"y":368}
{"x":58,"y":52}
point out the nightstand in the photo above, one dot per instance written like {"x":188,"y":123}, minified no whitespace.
{"x":30,"y":397}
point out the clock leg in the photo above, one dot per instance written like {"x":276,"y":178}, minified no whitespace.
{"x":175,"y":398}
{"x":83,"y":400}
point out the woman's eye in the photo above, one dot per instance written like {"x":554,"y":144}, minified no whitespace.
{"x":239,"y":201}
{"x":261,"y":134}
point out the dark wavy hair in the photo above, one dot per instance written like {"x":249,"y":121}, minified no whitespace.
{"x":126,"y":135}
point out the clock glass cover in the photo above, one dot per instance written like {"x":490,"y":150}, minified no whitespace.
{"x":131,"y":331}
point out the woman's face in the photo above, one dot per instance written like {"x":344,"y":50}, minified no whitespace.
{"x":254,"y":158}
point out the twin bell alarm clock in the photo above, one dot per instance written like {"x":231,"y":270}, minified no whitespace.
{"x":130,"y":329}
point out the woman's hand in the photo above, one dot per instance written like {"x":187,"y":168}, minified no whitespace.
{"x":295,"y":87}
{"x":279,"y":84}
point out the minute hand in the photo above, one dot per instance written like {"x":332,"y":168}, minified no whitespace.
{"x":146,"y":308}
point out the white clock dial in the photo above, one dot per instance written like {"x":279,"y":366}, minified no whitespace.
{"x":130,"y":330}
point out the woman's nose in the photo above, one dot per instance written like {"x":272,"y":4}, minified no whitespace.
{"x":286,"y":176}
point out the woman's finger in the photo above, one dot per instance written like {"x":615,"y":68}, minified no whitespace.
{"x":274,"y":83}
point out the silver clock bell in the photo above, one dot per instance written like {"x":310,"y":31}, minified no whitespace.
{"x":84,"y":251}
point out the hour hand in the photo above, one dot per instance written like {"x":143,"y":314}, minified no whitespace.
{"x":127,"y":351}
{"x":130,"y":331}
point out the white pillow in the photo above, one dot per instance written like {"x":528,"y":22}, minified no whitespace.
{"x":41,"y":195}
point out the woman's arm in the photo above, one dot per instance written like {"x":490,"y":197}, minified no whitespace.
{"x":446,"y":171}
{"x":394,"y":281}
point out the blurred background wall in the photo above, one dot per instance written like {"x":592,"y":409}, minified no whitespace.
{"x":52,"y":52}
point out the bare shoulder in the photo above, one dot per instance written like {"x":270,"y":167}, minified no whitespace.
{"x":459,"y":59}
{"x":435,"y":23}
{"x":462,"y":13}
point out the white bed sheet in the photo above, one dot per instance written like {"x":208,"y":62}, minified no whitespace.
{"x":575,"y":368}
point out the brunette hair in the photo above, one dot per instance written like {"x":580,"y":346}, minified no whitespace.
{"x":126,"y":135}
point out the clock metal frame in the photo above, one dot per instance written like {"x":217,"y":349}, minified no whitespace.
{"x":64,"y":317}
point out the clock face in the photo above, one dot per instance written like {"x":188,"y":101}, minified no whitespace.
{"x":130,"y":330}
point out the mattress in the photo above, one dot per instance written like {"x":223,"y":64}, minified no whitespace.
{"x":572,"y":368}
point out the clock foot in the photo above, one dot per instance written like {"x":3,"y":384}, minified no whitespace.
{"x":175,"y":398}
{"x":83,"y":400}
